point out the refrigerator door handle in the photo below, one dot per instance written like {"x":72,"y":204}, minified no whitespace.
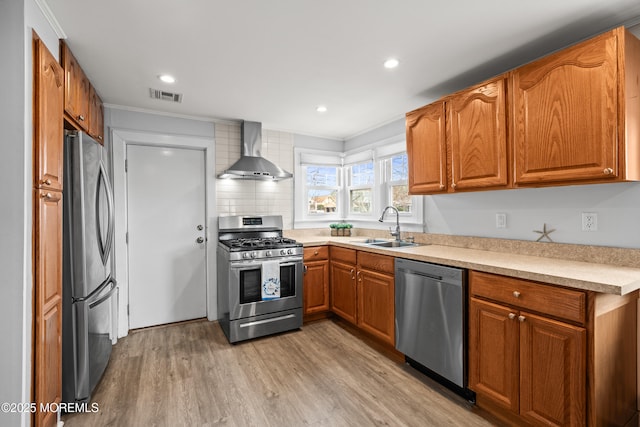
{"x":105,"y":245}
{"x":104,"y":297}
{"x":97,"y":290}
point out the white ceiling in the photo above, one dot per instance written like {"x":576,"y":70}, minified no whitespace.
{"x":275,"y":61}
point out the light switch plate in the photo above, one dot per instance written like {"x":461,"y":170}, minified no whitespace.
{"x":501,"y":220}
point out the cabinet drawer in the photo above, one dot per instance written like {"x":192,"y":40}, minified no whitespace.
{"x":376,"y":262}
{"x":316,"y":252}
{"x":557,"y":302}
{"x":343,"y":254}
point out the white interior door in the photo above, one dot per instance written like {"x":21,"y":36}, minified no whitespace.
{"x":166,"y":220}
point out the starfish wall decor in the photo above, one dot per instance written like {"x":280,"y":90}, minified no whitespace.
{"x":544,"y":233}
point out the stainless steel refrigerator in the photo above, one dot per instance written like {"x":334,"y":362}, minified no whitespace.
{"x":89,"y":289}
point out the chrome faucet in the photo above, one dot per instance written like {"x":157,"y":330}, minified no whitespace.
{"x":396,"y":233}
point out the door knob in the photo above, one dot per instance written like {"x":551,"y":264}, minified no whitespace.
{"x":200,"y":227}
{"x":199,"y":240}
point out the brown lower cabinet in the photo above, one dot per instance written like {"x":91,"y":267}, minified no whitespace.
{"x":316,"y":280}
{"x":544,"y":355}
{"x":362,"y":291}
{"x":343,"y":283}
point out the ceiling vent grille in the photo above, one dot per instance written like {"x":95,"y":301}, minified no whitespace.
{"x":165,"y":96}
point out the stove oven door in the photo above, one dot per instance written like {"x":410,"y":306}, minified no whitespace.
{"x":245,"y":294}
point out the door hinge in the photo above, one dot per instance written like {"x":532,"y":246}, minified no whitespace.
{"x":126,"y":165}
{"x":126,"y":237}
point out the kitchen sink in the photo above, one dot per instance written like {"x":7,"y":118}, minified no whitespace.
{"x":382,"y":243}
{"x":372,"y":241}
{"x":393,"y":244}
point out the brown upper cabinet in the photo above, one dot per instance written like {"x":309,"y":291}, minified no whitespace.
{"x":96,"y":116}
{"x":459,"y":143}
{"x":48,"y":129}
{"x":571,"y":117}
{"x":82,"y":105}
{"x":477,"y":136}
{"x":426,"y":149}
{"x":576,"y":113}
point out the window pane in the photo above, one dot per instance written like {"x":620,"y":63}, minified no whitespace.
{"x":321,"y":201}
{"x":322,"y":175}
{"x":399,"y":168}
{"x":362,"y":174}
{"x":400,"y":198}
{"x":360,"y":201}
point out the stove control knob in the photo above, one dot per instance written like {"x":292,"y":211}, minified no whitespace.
{"x":254,"y":254}
{"x":283,"y":252}
{"x":268,"y":253}
{"x":245,"y":255}
{"x":289,"y":252}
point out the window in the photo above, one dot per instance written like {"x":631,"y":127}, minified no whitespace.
{"x":398,"y":173}
{"x":321,"y":189}
{"x":355,"y":186}
{"x":362,"y":181}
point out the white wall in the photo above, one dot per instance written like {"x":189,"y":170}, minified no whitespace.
{"x":246,"y":197}
{"x":473,"y":214}
{"x":14,"y":214}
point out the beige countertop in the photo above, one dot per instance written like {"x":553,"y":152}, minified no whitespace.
{"x":595,"y":277}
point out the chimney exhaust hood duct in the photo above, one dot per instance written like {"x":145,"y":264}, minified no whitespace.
{"x":251,"y":164}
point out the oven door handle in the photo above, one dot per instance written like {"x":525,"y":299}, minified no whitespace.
{"x":243,"y":265}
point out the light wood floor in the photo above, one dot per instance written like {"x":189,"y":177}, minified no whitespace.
{"x":189,"y":375}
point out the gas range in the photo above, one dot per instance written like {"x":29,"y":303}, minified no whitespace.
{"x":260,"y":277}
{"x":247,"y":238}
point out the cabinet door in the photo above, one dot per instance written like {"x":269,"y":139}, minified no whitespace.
{"x":96,"y":116}
{"x":566,"y":115}
{"x":343,"y":290}
{"x":77,"y":89}
{"x":426,"y":149}
{"x":316,"y":287}
{"x":477,"y":135}
{"x":552,"y":372}
{"x":48,"y":121}
{"x":376,"y":306}
{"x":493,"y":353}
{"x":48,"y":302}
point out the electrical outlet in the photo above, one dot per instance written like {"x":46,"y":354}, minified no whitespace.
{"x":501,"y":220}
{"x":589,"y":221}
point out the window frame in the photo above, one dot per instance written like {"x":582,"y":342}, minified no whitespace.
{"x":380,"y":154}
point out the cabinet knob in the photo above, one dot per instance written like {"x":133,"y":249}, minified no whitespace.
{"x":100,"y":137}
{"x":512,"y":316}
{"x":315,"y":253}
{"x":521,"y":319}
{"x":352,"y":276}
{"x":46,"y":181}
{"x":47,"y":196}
{"x":607,"y":171}
{"x":454,"y":185}
{"x":359,"y":276}
{"x":442,"y":186}
{"x":516,"y":294}
{"x":81,"y":118}
{"x":305,"y":269}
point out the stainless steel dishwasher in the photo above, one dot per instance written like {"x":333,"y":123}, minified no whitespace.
{"x":430,"y":320}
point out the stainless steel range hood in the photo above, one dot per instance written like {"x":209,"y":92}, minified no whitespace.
{"x":251,"y":164}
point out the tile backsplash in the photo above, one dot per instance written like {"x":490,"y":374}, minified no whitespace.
{"x":247,"y":197}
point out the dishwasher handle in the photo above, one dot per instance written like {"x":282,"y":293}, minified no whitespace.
{"x":419,"y":273}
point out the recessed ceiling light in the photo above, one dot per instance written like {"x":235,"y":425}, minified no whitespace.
{"x":321,"y":109}
{"x":391,"y":63}
{"x":167,"y":78}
